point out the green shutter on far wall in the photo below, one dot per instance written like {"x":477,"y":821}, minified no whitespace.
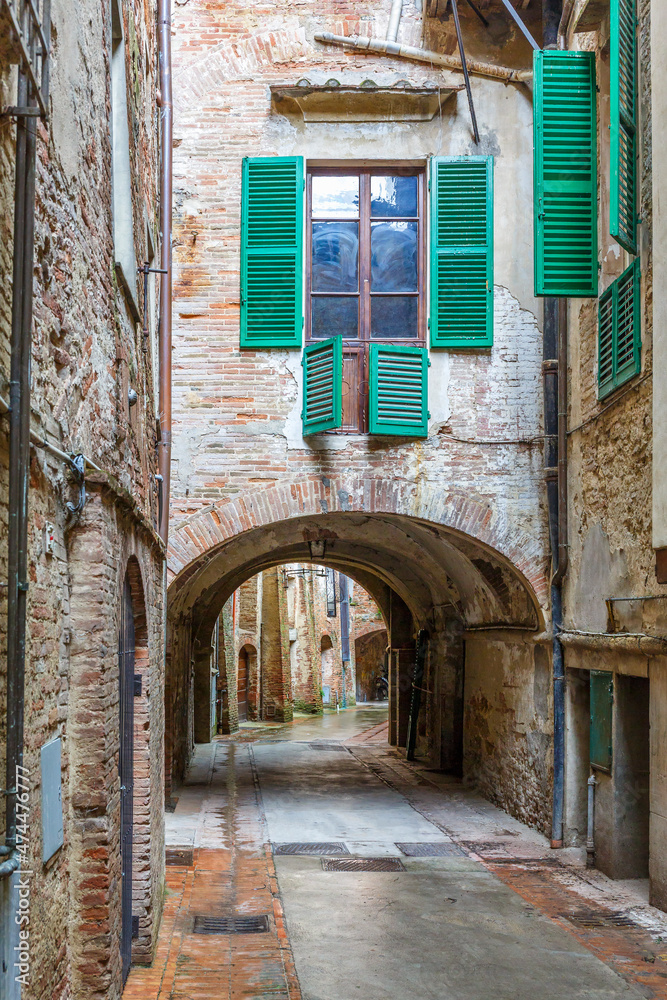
{"x":322,"y":386}
{"x":602,"y":704}
{"x":565,"y":163}
{"x":272,"y":251}
{"x":398,"y":390}
{"x":462,"y":251}
{"x":619,"y":331}
{"x":623,"y":95}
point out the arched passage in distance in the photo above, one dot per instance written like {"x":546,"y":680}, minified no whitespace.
{"x":475,"y":585}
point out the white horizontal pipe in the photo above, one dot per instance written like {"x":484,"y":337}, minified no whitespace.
{"x":387,"y":48}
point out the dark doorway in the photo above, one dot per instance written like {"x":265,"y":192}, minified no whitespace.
{"x":242,"y":685}
{"x":126,"y":768}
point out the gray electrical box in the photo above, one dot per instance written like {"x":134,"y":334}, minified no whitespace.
{"x":52,"y":805}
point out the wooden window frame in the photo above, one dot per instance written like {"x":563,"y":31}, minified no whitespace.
{"x":359,"y":347}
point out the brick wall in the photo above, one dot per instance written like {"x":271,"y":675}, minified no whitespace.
{"x":87,"y":351}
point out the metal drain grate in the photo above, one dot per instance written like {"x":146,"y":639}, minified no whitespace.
{"x":592,"y":919}
{"x":362,"y":865}
{"x":316,"y":850}
{"x":181,"y":856}
{"x":441,"y":849}
{"x":327,"y":746}
{"x":231,"y":925}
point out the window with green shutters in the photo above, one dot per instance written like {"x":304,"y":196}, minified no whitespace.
{"x":565,"y":161}
{"x":322,"y":386}
{"x":271,"y":251}
{"x":398,"y":390}
{"x":619,"y":331}
{"x":462,"y":251}
{"x":623,"y":96}
{"x":602,"y":706}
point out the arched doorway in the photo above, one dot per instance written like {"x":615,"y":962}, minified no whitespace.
{"x":327,"y":660}
{"x":126,"y":655}
{"x":242,"y":684}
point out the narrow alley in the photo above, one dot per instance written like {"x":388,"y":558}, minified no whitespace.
{"x":333,"y":502}
{"x":464,"y":902}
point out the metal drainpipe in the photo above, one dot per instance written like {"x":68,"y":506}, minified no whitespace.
{"x":394,"y":20}
{"x":166,"y":119}
{"x":555,"y":461}
{"x":19,"y":460}
{"x":590,"y":833}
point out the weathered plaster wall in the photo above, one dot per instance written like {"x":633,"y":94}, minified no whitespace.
{"x":223,"y":69}
{"x":508,"y":727}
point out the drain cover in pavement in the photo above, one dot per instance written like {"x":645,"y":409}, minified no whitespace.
{"x":312,"y":849}
{"x":362,"y":865}
{"x":327,"y":746}
{"x":179,"y":856}
{"x":231,"y":925}
{"x":441,"y":849}
{"x":593,"y":918}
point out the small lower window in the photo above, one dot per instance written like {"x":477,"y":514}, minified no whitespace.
{"x":619,"y":331}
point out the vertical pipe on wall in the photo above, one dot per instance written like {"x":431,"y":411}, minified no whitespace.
{"x":394,"y":20}
{"x":166,"y":130}
{"x":555,"y":462}
{"x":19,"y":458}
{"x":551,"y":15}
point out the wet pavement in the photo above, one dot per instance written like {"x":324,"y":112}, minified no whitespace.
{"x":498,"y":917}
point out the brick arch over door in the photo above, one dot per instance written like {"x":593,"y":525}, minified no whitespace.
{"x":471,"y":523}
{"x":141,"y":854}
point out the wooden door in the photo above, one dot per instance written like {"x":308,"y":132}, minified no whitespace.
{"x":242,"y":686}
{"x":126,"y":769}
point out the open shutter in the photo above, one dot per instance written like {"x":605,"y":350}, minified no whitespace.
{"x":322,"y":386}
{"x":271,"y":251}
{"x":462,"y":251}
{"x":565,"y":156}
{"x":399,"y":390}
{"x":623,"y":93}
{"x":619,"y":331}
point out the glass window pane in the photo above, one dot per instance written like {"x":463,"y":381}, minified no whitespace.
{"x":335,"y":316}
{"x":394,"y":197}
{"x":393,"y":317}
{"x":335,"y":256}
{"x":394,"y":256}
{"x":335,"y":197}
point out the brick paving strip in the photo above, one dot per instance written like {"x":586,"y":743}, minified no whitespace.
{"x":630,"y":951}
{"x":241,"y":880}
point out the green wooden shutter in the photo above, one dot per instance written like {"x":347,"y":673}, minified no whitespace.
{"x":398,"y":388}
{"x":565,"y":160}
{"x":271,"y":251}
{"x":602,"y":703}
{"x":322,"y":386}
{"x":462,"y":251}
{"x":623,"y":94}
{"x":619,"y":331}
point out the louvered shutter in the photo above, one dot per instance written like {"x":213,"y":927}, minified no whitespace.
{"x":398,"y":389}
{"x":462,"y":251}
{"x":623,"y":94}
{"x":565,"y":158}
{"x":322,"y":386}
{"x":619,"y":331}
{"x":271,"y":251}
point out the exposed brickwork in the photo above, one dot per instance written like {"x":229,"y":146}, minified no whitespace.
{"x":87,"y":351}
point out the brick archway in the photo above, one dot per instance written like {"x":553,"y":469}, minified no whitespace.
{"x":467,"y":517}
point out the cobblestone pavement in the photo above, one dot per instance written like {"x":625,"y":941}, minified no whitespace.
{"x":502,"y":917}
